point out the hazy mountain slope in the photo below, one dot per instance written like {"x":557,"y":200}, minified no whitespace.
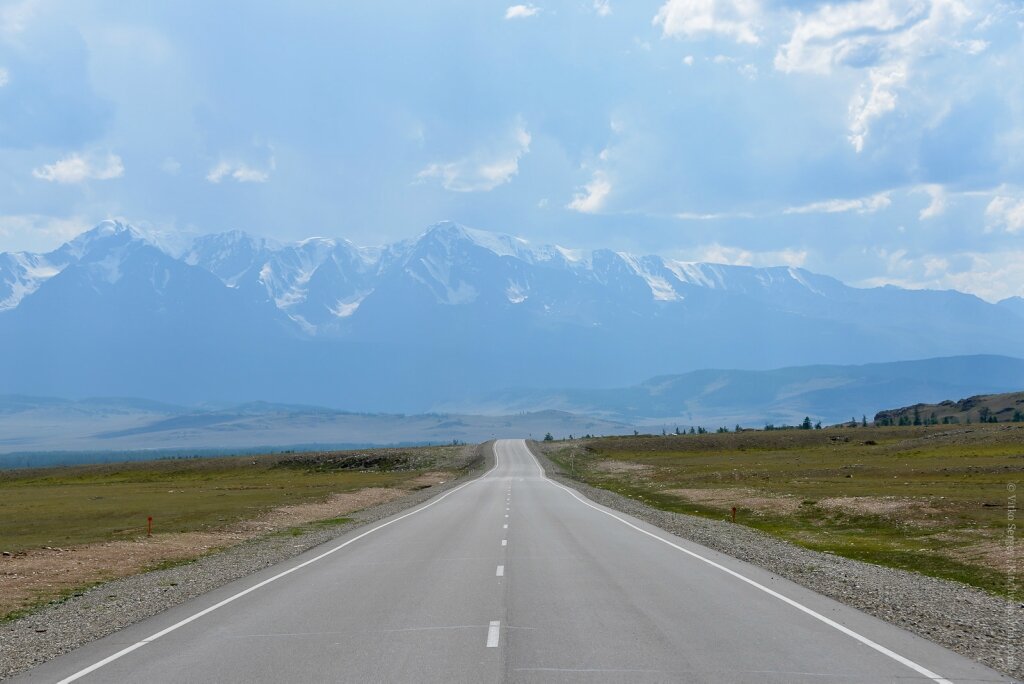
{"x":786,"y":395}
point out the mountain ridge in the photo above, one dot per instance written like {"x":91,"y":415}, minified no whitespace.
{"x":436,"y":318}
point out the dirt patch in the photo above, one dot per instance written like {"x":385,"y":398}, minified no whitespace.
{"x":990,"y":553}
{"x":56,"y":571}
{"x":750,"y":499}
{"x":620,"y":467}
{"x":909,"y":511}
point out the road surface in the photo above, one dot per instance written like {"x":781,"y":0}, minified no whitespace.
{"x":511,"y":578}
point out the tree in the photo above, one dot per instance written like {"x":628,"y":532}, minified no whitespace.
{"x":806,"y":425}
{"x":817,"y":426}
{"x":983,"y":414}
{"x":917,"y":416}
{"x":738,"y":428}
{"x":692,"y":431}
{"x":1018,"y":417}
{"x":677,"y":430}
{"x":549,"y":438}
{"x":863,"y":421}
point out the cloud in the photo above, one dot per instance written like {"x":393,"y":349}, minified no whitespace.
{"x":484,"y":170}
{"x":989,"y":275}
{"x":39,"y":233}
{"x":716,"y":253}
{"x":603,"y":8}
{"x":688,"y":60}
{"x":591,"y":198}
{"x":1005,"y":213}
{"x":521,"y":11}
{"x":77,"y":168}
{"x":5,"y":77}
{"x":239,"y":172}
{"x":884,"y":38}
{"x":937,"y":205}
{"x":860,"y":205}
{"x":878,"y":100}
{"x":735,"y":19}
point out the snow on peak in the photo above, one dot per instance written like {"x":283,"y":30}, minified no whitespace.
{"x":449,"y":233}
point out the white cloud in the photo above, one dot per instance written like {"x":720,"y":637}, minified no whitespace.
{"x":591,"y":198}
{"x":716,"y":253}
{"x":77,"y":168}
{"x":1006,"y":213}
{"x":937,"y":205}
{"x":484,"y":170}
{"x":989,"y":275}
{"x":883,"y":82}
{"x":735,"y":19}
{"x":240,"y":172}
{"x":521,"y":11}
{"x":603,"y":8}
{"x":5,"y":77}
{"x":885,"y":38}
{"x":688,"y":60}
{"x":39,"y":233}
{"x":860,"y":205}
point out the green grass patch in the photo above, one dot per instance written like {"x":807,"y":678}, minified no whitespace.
{"x":931,"y":500}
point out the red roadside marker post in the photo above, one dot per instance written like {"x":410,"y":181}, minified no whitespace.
{"x":733,"y":514}
{"x":149,"y":525}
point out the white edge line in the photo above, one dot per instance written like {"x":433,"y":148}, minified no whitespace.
{"x":221,"y":604}
{"x":920,"y":669}
{"x":493,"y":632}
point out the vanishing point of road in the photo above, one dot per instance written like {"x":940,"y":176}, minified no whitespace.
{"x":511,"y":577}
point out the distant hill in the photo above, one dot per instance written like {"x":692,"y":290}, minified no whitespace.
{"x":982,"y":408}
{"x":828,"y":393}
{"x":45,"y":431}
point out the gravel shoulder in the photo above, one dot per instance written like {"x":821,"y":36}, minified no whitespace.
{"x":63,"y":626}
{"x":980,"y":626}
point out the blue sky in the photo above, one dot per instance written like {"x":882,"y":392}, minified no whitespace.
{"x":879,"y":141}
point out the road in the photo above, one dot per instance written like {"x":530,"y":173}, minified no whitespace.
{"x":511,"y":578}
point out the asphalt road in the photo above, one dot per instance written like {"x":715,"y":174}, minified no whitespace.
{"x":512,"y":577}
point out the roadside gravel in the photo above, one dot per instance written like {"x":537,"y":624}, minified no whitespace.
{"x":975,"y":624}
{"x":63,"y":626}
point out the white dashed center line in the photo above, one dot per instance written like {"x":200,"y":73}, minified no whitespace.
{"x":500,"y":572}
{"x":504,"y":542}
{"x":492,"y":634}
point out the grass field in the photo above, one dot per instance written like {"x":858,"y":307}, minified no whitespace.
{"x":930,"y":499}
{"x":94,"y":503}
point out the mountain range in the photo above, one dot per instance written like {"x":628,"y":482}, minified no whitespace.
{"x":435,"y":320}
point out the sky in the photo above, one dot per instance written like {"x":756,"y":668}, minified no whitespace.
{"x":878,"y":141}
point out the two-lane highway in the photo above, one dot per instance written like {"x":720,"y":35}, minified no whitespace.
{"x":511,"y":577}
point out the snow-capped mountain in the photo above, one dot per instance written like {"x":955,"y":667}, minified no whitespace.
{"x":435,"y":318}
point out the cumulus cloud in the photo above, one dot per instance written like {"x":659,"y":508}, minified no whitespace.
{"x":240,"y":172}
{"x":860,"y":205}
{"x":484,"y":170}
{"x":885,"y":39}
{"x":591,"y":197}
{"x":735,"y":19}
{"x":521,"y":11}
{"x":5,"y":77}
{"x":78,"y":168}
{"x":1005,"y":213}
{"x":602,"y":8}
